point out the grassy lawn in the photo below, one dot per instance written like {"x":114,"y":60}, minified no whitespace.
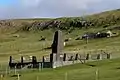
{"x":107,"y":70}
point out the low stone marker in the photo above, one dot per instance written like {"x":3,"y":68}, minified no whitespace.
{"x":98,"y":56}
{"x":76,"y":56}
{"x":64,"y":57}
{"x":108,"y":56}
{"x":87,"y":56}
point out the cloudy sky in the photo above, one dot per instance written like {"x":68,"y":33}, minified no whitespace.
{"x":10,"y":9}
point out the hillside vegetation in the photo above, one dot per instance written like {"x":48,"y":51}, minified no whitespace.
{"x":104,"y":19}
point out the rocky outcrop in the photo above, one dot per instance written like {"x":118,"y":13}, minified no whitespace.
{"x":45,"y":25}
{"x":5,"y":23}
{"x":104,"y":19}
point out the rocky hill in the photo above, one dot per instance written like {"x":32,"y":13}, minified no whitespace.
{"x":103,"y":19}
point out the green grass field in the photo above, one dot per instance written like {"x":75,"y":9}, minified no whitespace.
{"x":106,"y":70}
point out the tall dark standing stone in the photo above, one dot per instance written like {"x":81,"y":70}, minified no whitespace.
{"x":57,"y":45}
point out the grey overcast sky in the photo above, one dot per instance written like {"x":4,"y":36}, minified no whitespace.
{"x":10,"y":9}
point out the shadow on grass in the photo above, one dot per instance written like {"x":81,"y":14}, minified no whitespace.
{"x":92,"y":65}
{"x":118,"y":68}
{"x":15,"y":75}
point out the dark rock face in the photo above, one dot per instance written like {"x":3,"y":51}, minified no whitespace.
{"x":41,"y":25}
{"x":62,"y":23}
{"x":45,"y":25}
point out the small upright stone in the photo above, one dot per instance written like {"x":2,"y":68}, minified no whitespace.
{"x":10,"y":61}
{"x":87,"y":57}
{"x":108,"y":56}
{"x":98,"y":56}
{"x":76,"y":57}
{"x":22,"y":59}
{"x":51,"y":57}
{"x":64,"y":57}
{"x":43,"y":59}
{"x":34,"y":60}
